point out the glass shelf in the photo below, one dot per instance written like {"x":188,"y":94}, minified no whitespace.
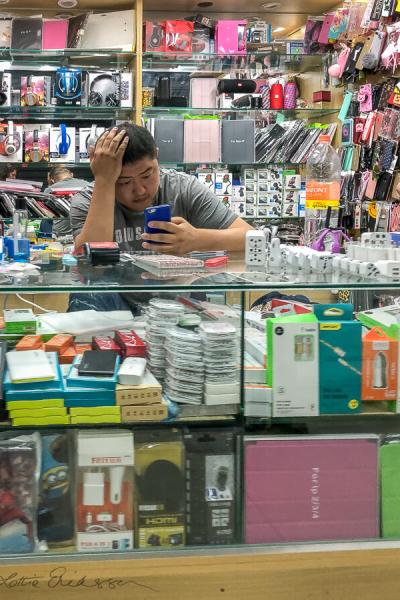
{"x":115,"y":58}
{"x":205,"y":164}
{"x":46,"y":165}
{"x":126,"y":277}
{"x":73,"y":113}
{"x":298,"y":113}
{"x":271,"y":59}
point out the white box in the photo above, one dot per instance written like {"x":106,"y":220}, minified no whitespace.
{"x":257,"y":401}
{"x":251,"y":198}
{"x":274,"y":211}
{"x":126,"y":89}
{"x":250,"y":175}
{"x":291,"y":196}
{"x":6,"y":89}
{"x":295,"y":367}
{"x":254,"y":372}
{"x":250,"y":210}
{"x":290,"y":209}
{"x":262,"y":211}
{"x":251,"y":187}
{"x":263,"y":199}
{"x":207,"y":178}
{"x":223,"y":183}
{"x":275,"y":198}
{"x":55,"y":139}
{"x":239,"y":208}
{"x":292,"y":182}
{"x":262,"y":175}
{"x":84,"y":135}
{"x":275,"y":186}
{"x":217,"y":399}
{"x":255,"y":343}
{"x":238,"y":192}
{"x":275,"y":174}
{"x":16,"y":157}
{"x":226,"y":200}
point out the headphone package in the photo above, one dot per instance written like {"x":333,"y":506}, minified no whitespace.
{"x":11,"y":142}
{"x":37,"y":140}
{"x":105,"y":474}
{"x":67,"y":89}
{"x":212,"y":483}
{"x":104,"y":89}
{"x":34,"y":90}
{"x":160,"y":489}
{"x":88,"y":136}
{"x":62,"y":144}
{"x":153,"y":36}
{"x":5,"y":89}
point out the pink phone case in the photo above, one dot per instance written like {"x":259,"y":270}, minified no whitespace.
{"x":365,"y":98}
{"x":203,"y":92}
{"x":54,"y":34}
{"x":202,"y":139}
{"x":323,"y":37}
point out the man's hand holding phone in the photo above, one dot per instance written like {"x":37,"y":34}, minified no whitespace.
{"x":168,"y":236}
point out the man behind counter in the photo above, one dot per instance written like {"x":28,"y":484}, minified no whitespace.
{"x":127,"y":179}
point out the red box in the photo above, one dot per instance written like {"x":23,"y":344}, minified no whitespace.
{"x":106,"y":343}
{"x":178,"y":36}
{"x":67,"y":357}
{"x":59,"y":343}
{"x":29,"y":342}
{"x":131,"y":343}
{"x":154,"y":36}
{"x":322,"y":96}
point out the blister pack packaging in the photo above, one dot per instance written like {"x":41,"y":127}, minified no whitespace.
{"x":19,"y":480}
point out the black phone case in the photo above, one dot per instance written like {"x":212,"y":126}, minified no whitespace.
{"x":98,"y":363}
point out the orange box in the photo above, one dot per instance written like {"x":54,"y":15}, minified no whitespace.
{"x":59,"y":343}
{"x":379,"y":366}
{"x":67,"y":357}
{"x":29,"y":342}
{"x":81,"y":347}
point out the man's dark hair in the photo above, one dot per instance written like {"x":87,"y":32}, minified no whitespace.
{"x":141,"y":143}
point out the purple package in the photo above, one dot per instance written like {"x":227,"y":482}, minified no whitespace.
{"x":230,"y":37}
{"x":311,"y":488}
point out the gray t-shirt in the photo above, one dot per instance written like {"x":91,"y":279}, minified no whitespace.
{"x":187,"y":197}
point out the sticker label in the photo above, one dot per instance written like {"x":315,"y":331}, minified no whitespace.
{"x":322,"y":195}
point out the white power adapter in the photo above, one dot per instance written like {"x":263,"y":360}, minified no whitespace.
{"x":132,"y":371}
{"x":275,"y":257}
{"x":256,"y":249}
{"x":389,"y":268}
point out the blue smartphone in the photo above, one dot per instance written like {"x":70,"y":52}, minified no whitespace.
{"x":156,"y":213}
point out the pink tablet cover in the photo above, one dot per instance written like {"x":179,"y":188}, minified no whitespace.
{"x":310,"y":489}
{"x":54,"y":34}
{"x":202,"y":140}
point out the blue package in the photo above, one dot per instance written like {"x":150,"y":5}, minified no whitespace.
{"x":74,"y":380}
{"x":54,"y":384}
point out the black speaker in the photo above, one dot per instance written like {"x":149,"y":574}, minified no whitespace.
{"x":236,"y":86}
{"x":163,"y":88}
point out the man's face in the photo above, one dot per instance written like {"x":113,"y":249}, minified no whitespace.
{"x":138,"y":184}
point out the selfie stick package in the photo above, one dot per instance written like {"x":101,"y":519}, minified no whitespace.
{"x":104,"y":510}
{"x":160,"y":487}
{"x":20,"y":471}
{"x":212,"y":479}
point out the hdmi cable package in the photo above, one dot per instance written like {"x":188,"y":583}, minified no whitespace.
{"x":160,"y":489}
{"x":212,"y":478}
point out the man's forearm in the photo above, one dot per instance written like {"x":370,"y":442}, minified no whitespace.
{"x":99,"y":224}
{"x":232,"y":239}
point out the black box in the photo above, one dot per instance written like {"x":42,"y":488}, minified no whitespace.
{"x":212,"y":486}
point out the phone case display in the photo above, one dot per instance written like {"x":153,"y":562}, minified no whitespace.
{"x":340,"y":359}
{"x":54,"y":34}
{"x":292,"y":492}
{"x":36,"y":143}
{"x":389,"y":462}
{"x":109,"y":30}
{"x":33,"y":89}
{"x":11,"y":142}
{"x":56,"y":497}
{"x":160,"y":489}
{"x":67,"y":87}
{"x":26,"y":33}
{"x":62,"y":144}
{"x":104,"y":511}
{"x":212,"y":484}
{"x":104,"y":89}
{"x":20,"y":468}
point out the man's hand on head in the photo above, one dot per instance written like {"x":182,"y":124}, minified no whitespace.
{"x":106,"y":164}
{"x":179,"y":238}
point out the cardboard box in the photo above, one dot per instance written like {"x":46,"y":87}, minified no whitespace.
{"x":223,"y":183}
{"x":212,"y":484}
{"x":59,"y":343}
{"x":257,"y":401}
{"x":148,"y":392}
{"x":379,"y":366}
{"x":254,"y":371}
{"x":339,"y":359}
{"x":145,"y":412}
{"x":160,"y":489}
{"x":293,"y":357}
